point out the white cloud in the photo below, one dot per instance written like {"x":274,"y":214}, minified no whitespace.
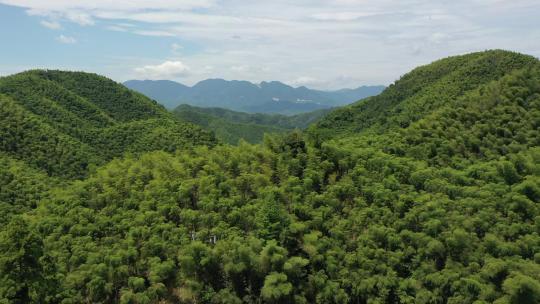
{"x":240,"y":68}
{"x":342,"y":16}
{"x":80,"y":18}
{"x":66,"y":39}
{"x":371,"y":41}
{"x":438,"y":38}
{"x":53,"y":25}
{"x":126,"y":25}
{"x":305,"y":81}
{"x":155,"y":33}
{"x":121,"y":27}
{"x":130,"y":5}
{"x":175,"y":47}
{"x":165,"y":70}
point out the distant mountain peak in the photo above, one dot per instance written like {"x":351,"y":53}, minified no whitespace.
{"x":241,"y":95}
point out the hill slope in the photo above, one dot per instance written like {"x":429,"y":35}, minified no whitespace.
{"x":231,"y":126}
{"x":21,"y":187}
{"x":421,"y":91}
{"x":62,"y":122}
{"x":442,"y":210}
{"x":266,"y":97}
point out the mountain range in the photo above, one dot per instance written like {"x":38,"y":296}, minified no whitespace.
{"x":265,"y":97}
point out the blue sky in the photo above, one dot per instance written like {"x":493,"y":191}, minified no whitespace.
{"x":322,"y":44}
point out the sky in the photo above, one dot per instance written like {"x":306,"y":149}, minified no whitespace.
{"x":320,"y":44}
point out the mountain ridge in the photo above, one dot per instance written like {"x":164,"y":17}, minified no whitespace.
{"x":59,"y":120}
{"x":421,"y":91}
{"x":241,"y":95}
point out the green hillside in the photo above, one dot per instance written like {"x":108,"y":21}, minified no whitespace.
{"x":442,"y":206}
{"x":63,"y":122}
{"x":421,"y":91}
{"x":21,"y":187}
{"x":231,"y":126}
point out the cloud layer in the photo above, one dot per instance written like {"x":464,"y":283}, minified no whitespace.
{"x":53,"y":25}
{"x":165,"y":70}
{"x":329,"y":43}
{"x":66,"y":39}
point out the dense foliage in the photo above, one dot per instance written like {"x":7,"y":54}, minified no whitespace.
{"x":231,"y":126}
{"x":21,"y":188}
{"x":64,"y":122}
{"x":420,"y":92}
{"x":443,"y":210}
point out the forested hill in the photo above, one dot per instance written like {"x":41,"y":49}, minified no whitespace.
{"x":420,"y":92}
{"x":443,"y":207}
{"x":64,"y":122}
{"x":231,"y":126}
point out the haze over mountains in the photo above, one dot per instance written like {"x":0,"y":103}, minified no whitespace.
{"x":266,"y":97}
